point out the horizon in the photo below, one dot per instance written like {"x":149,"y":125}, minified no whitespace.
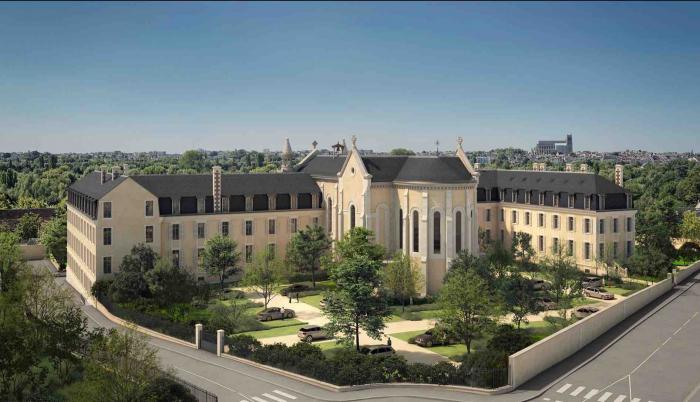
{"x":89,"y":77}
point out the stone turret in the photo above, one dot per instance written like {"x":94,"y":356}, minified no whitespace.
{"x":287,"y":156}
{"x":619,"y":175}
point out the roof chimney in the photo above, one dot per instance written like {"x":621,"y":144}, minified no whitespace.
{"x":125,"y":170}
{"x":477,"y":166}
{"x":619,"y":175}
{"x":569,"y":167}
{"x":584,"y":168}
{"x":103,"y":176}
{"x":115,"y":172}
{"x":216,"y":187}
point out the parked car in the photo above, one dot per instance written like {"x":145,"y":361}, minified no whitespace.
{"x":310,"y":333}
{"x":585,"y":311}
{"x":377,"y":350}
{"x":275,"y":313}
{"x":432,"y":337}
{"x":592,"y":282}
{"x":295,"y":288}
{"x":540,"y":284}
{"x":545,"y":303}
{"x":598,"y":293}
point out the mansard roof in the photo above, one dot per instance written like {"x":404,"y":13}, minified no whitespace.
{"x":200,"y":185}
{"x":566,"y":182}
{"x":386,"y":168}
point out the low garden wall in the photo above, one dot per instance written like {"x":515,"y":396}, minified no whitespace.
{"x":538,"y":357}
{"x":32,"y":252}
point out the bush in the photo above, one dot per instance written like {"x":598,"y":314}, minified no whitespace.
{"x":242,"y":345}
{"x":321,"y":275}
{"x":100,"y":289}
{"x":164,"y":389}
{"x":509,"y":340}
{"x":487,"y":368}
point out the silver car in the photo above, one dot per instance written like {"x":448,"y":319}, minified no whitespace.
{"x":275,"y":313}
{"x":310,"y":333}
{"x":598,"y":293}
{"x":377,"y":350}
{"x":592,"y":282}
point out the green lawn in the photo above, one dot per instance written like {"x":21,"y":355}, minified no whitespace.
{"x":277,"y":328}
{"x":624,"y":292}
{"x":414,"y":313}
{"x":329,"y":348}
{"x":313,"y":300}
{"x":450,"y":351}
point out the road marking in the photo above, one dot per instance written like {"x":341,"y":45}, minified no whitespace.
{"x":604,"y":397}
{"x":564,"y":388}
{"x":284,"y":394}
{"x":590,"y":394}
{"x":274,"y":398}
{"x":255,"y":398}
{"x":577,"y":391}
{"x":620,"y":398}
{"x":635,"y":400}
{"x":546,"y":399}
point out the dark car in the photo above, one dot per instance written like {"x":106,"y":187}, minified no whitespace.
{"x":583,"y":312}
{"x":377,"y":350}
{"x":275,"y":313}
{"x":592,"y":282}
{"x":296,"y":288}
{"x":545,"y":303}
{"x":540,"y":284}
{"x":432,"y":338}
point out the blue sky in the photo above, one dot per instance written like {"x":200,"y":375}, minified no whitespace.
{"x":175,"y":76}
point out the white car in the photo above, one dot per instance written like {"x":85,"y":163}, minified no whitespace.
{"x":598,"y":293}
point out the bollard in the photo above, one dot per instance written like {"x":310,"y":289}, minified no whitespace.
{"x":198,"y":328}
{"x":219,"y":342}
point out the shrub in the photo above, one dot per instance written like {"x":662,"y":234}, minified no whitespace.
{"x":509,"y":340}
{"x":487,"y":368}
{"x":242,"y":345}
{"x":100,"y":289}
{"x":164,"y":389}
{"x":412,"y":340}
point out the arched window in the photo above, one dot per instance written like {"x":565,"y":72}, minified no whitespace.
{"x":352,"y":216}
{"x":436,"y":233}
{"x":329,"y":221}
{"x":458,"y":232}
{"x":415,"y":232}
{"x":401,"y":229}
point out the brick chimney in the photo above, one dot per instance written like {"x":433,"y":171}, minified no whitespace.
{"x":216,"y":187}
{"x":619,"y":175}
{"x":103,"y":176}
{"x":569,"y":167}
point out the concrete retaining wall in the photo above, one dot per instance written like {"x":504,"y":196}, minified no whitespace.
{"x":529,"y":362}
{"x":31,"y":252}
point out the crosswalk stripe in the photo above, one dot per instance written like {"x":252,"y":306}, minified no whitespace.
{"x":274,"y":398}
{"x":604,"y":397}
{"x":635,"y":400}
{"x":620,"y":398}
{"x":590,"y":394}
{"x":577,"y":391}
{"x":564,"y":388}
{"x":284,"y":394}
{"x":259,"y":399}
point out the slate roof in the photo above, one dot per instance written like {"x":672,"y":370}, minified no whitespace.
{"x":567,"y":182}
{"x":385,"y":168}
{"x":200,"y":185}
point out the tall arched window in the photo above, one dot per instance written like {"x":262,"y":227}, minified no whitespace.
{"x":401,"y":229}
{"x":352,"y":216}
{"x":458,"y":232}
{"x":436,"y":233}
{"x":416,"y":242}
{"x":329,"y":220}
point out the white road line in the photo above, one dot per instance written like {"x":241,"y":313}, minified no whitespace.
{"x":590,"y":394}
{"x":635,"y":400}
{"x":255,"y":398}
{"x":546,"y":399}
{"x":604,"y":397}
{"x":564,"y":388}
{"x":284,"y":394}
{"x":274,"y":398}
{"x":577,"y":391}
{"x":666,"y":341}
{"x":620,"y":398}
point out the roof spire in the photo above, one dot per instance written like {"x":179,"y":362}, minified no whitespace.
{"x":287,"y":156}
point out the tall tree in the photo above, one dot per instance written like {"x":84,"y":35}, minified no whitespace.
{"x":467,"y":310}
{"x":169,"y":284}
{"x":130,"y":282}
{"x":358,"y":301}
{"x":28,"y":226}
{"x":264,"y":275}
{"x":690,"y":226}
{"x":519,"y":298}
{"x":563,"y":274}
{"x":221,"y":258}
{"x":402,"y":278}
{"x":192,"y":159}
{"x":306,"y":248}
{"x":521,"y":248}
{"x":53,"y":237}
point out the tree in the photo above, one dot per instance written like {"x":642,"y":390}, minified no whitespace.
{"x":221,"y":258}
{"x":649,"y":262}
{"x":10,"y":260}
{"x":466,"y":262}
{"x":229,"y":317}
{"x":130,"y":282}
{"x":28,"y":226}
{"x":192,"y":159}
{"x":306,"y":248}
{"x":358,"y":301}
{"x":519,"y":298}
{"x":499,"y":257}
{"x":264,"y":275}
{"x":53,"y":237}
{"x":402,"y":151}
{"x":402,"y":278}
{"x":564,"y":276}
{"x":170,"y":284}
{"x":690,"y":226}
{"x":27,"y":202}
{"x":521,"y":248}
{"x":467,"y":310}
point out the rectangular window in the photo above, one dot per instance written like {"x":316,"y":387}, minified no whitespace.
{"x":107,"y":265}
{"x":628,"y":251}
{"x":107,"y":209}
{"x":540,"y":220}
{"x":107,"y":236}
{"x":601,"y":250}
{"x":601,"y":226}
{"x":615,"y":225}
{"x":555,"y":221}
{"x":293,"y":225}
{"x":571,"y":224}
{"x":176,"y":258}
{"x":586,"y":225}
{"x":271,"y":226}
{"x":149,"y":234}
{"x":514,"y":217}
{"x":149,"y":208}
{"x":488,"y":215}
{"x":628,"y":224}
{"x":527,"y":218}
{"x":503,"y":236}
{"x":224,"y":229}
{"x":488,"y":236}
{"x":503,"y":215}
{"x":570,"y":249}
{"x":587,"y":250}
{"x":175,"y":231}
{"x":271,"y":249}
{"x":200,"y":230}
{"x":555,"y":245}
{"x":248,"y":253}
{"x":540,"y":243}
{"x":248,"y":228}
{"x":614,"y":250}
